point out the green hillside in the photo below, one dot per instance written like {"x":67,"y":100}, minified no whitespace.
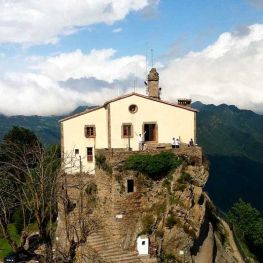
{"x":232,"y":140}
{"x":228,"y":131}
{"x":46,"y":128}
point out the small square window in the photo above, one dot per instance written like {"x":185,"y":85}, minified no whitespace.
{"x":90,"y":131}
{"x":126,"y":130}
{"x":76,"y":151}
{"x":143,"y":243}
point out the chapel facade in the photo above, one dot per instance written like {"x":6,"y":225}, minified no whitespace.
{"x":119,"y":122}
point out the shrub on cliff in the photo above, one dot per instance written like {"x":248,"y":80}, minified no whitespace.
{"x":147,"y":224}
{"x":101,"y":163}
{"x":156,"y":166}
{"x":171,"y":221}
{"x":250,"y":222}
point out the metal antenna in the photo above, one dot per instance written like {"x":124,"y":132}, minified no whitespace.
{"x":146,"y":60}
{"x":146,"y":68}
{"x":152,"y":56}
{"x":136,"y":74}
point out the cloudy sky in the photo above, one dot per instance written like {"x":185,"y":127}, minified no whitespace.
{"x":56,"y":55}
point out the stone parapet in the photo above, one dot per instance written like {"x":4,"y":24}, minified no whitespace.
{"x":116,"y":155}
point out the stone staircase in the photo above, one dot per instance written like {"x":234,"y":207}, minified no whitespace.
{"x":110,"y":251}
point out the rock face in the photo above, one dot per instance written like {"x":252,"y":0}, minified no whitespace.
{"x":173,"y":213}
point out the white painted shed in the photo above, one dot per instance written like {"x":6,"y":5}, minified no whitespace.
{"x":143,"y":245}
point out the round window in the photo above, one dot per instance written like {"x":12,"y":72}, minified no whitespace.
{"x":133,"y":108}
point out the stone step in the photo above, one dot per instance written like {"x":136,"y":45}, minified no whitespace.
{"x":117,"y":254}
{"x":110,"y":250}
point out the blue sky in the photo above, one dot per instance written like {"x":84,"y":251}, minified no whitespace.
{"x":189,"y":24}
{"x":39,"y":41}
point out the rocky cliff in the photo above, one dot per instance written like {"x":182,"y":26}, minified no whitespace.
{"x":171,"y":211}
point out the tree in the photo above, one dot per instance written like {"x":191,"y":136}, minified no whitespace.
{"x":76,"y":201}
{"x":33,"y":173}
{"x":250,"y":222}
{"x":20,"y":136}
{"x":33,"y":184}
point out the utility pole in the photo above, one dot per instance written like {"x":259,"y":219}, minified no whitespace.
{"x":129,"y":142}
{"x":152,"y":56}
{"x":80,"y":164}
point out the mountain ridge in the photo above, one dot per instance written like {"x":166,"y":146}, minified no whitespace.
{"x":232,"y":139}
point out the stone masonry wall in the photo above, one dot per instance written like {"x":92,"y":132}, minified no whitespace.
{"x":175,"y":210}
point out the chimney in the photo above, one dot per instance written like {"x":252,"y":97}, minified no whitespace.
{"x":185,"y":102}
{"x":153,"y":84}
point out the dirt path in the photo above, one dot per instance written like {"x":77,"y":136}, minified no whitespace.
{"x":205,"y":255}
{"x":232,"y":242}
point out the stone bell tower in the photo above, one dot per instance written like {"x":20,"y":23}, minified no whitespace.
{"x":153,"y":84}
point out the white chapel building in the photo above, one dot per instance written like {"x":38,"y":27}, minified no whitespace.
{"x":118,"y":123}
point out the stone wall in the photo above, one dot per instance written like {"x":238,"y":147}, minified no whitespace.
{"x":117,"y":155}
{"x":122,"y":213}
{"x":171,"y":212}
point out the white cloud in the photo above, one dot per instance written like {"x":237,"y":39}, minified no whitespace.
{"x":37,"y":22}
{"x":65,"y":81}
{"x":100,"y":64}
{"x":32,"y":94}
{"x":228,"y":71}
{"x":117,"y":30}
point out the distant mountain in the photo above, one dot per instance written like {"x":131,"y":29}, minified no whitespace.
{"x":232,"y":140}
{"x":46,"y":128}
{"x":226,"y":130}
{"x":81,"y":109}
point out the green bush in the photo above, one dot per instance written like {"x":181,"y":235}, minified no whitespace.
{"x":17,"y":219}
{"x":249,"y":222}
{"x":147,"y":224}
{"x":159,"y":208}
{"x":182,"y":182}
{"x":174,"y":200}
{"x":4,"y":246}
{"x":91,"y":191}
{"x":100,"y":160}
{"x":167,"y":184}
{"x":180,"y":187}
{"x":101,"y":163}
{"x":155,"y":166}
{"x":171,"y":221}
{"x":168,"y":258}
{"x":185,"y":178}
